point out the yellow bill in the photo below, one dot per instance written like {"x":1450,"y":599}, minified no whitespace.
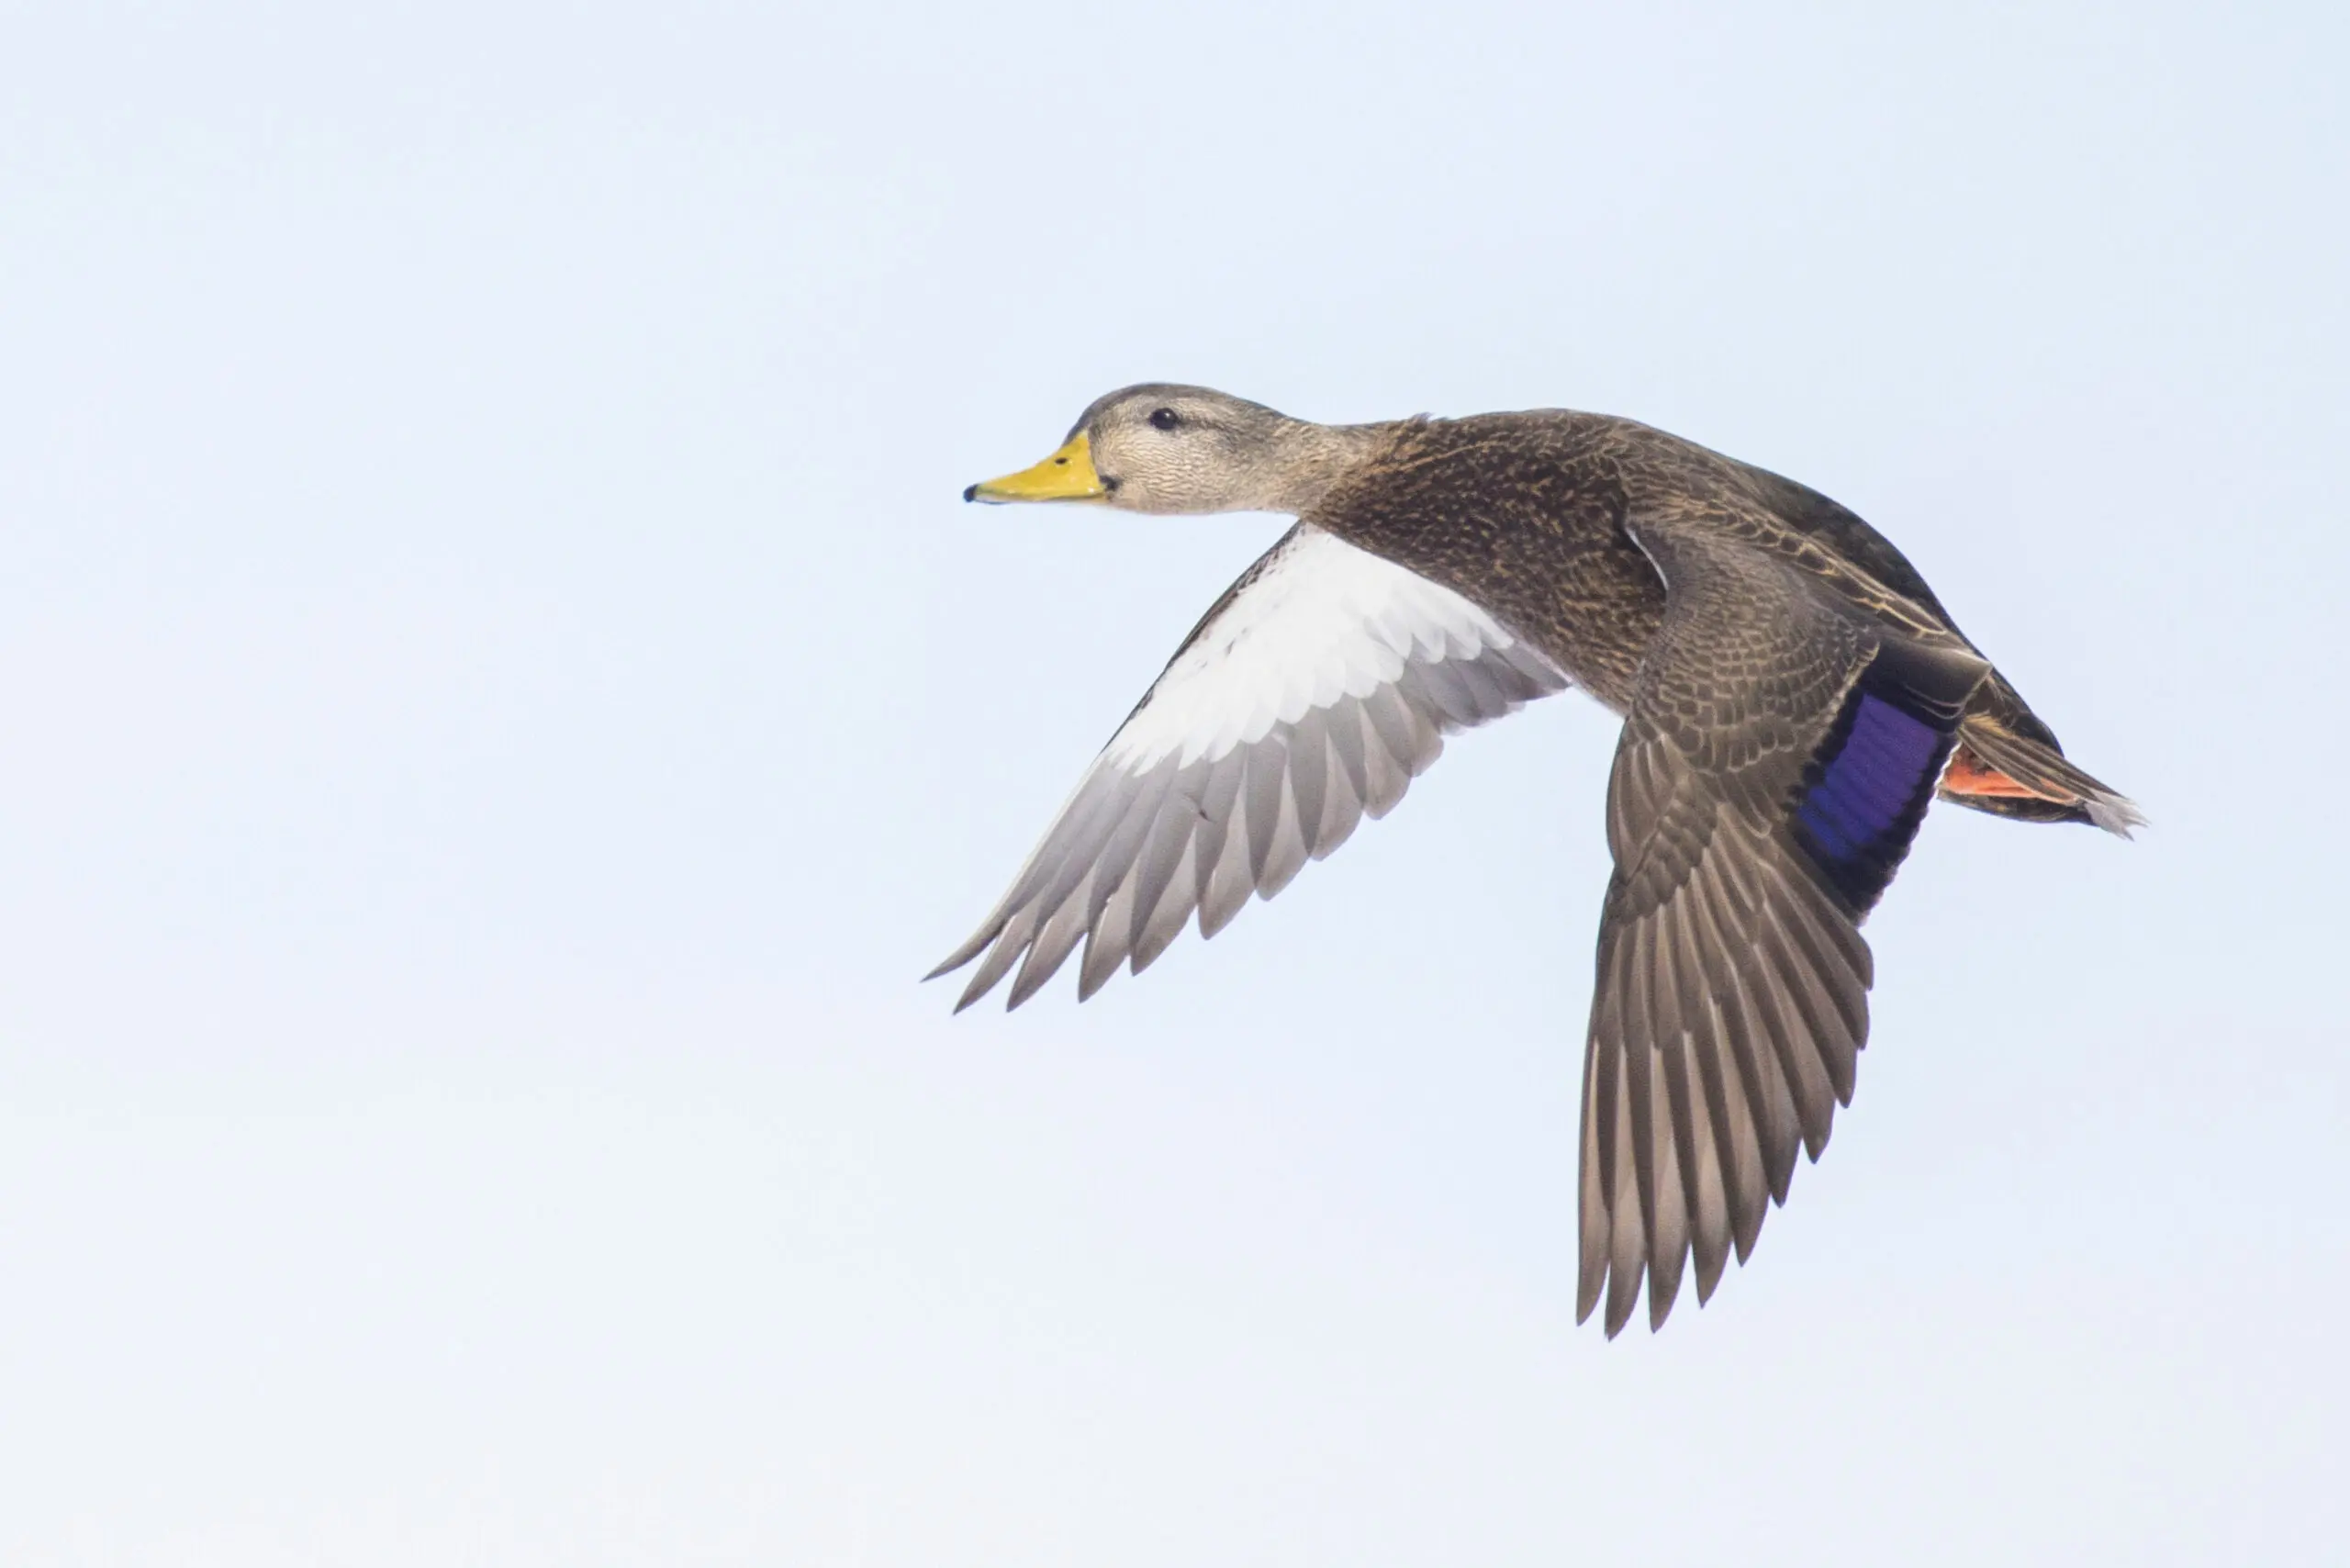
{"x":1066,"y":475}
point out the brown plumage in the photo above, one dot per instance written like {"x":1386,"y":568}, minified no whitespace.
{"x":1793,"y":695}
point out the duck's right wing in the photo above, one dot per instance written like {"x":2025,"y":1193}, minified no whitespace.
{"x":1309,"y":697}
{"x":1778,"y":757}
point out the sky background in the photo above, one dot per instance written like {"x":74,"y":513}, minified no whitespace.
{"x":499,"y":701}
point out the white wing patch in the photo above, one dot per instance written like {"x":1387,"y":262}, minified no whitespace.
{"x":1316,"y":620}
{"x":1312,"y":694}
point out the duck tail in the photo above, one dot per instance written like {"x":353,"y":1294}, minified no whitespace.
{"x":1996,"y":770}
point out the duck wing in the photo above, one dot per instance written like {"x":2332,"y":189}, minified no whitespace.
{"x":1309,"y":697}
{"x":1784,"y":740}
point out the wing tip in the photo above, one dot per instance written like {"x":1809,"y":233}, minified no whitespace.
{"x":971,"y":993}
{"x":956,"y":960}
{"x":1710,"y":1270}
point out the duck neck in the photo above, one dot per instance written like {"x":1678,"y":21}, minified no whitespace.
{"x":1309,"y":460}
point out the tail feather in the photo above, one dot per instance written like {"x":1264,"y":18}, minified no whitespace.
{"x":1995,"y":769}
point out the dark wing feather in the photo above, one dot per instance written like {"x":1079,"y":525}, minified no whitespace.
{"x":1780,"y":752}
{"x":1319,"y":685}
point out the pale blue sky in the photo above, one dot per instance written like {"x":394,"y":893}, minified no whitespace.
{"x":500,"y":698}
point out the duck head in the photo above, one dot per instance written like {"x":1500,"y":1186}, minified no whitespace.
{"x":1164,"y":448}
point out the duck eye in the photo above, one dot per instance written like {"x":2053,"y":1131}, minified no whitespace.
{"x":1163,"y":418}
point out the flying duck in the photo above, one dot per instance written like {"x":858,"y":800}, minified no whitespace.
{"x":1793,"y":697}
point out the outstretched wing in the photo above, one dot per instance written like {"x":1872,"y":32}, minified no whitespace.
{"x":1781,"y":749}
{"x":1309,"y":697}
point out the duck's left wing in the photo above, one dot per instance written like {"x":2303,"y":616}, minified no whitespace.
{"x":1309,"y":697}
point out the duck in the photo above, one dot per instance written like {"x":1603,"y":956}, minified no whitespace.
{"x":1793,"y":696}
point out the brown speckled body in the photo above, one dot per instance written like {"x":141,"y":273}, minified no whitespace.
{"x":1524,"y":513}
{"x":1531,"y":527}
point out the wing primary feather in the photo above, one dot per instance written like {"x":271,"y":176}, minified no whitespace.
{"x":1285,"y":854}
{"x":1113,"y":868}
{"x":1839,"y":953}
{"x":1786,"y":1112}
{"x":1412,"y":696}
{"x":1639,"y":1077}
{"x":1797,"y":1040}
{"x":1107,"y":942}
{"x":1386,"y":779}
{"x":1218,"y":796}
{"x":1055,"y":883}
{"x":971,"y":948}
{"x":1837,"y":1006}
{"x":1226,"y":891}
{"x":1267,"y":762}
{"x":1607,"y":1202}
{"x":1166,"y":844}
{"x":1713,"y":1196}
{"x":1348,"y":746}
{"x":1628,"y":1223}
{"x":1406,"y":742}
{"x":1669,"y":1252}
{"x":1608,"y":1048}
{"x":1075,"y":841}
{"x":1166,"y":923}
{"x":1309,"y":767}
{"x":1008,"y":945}
{"x":1341,"y":806}
{"x":1755,"y":1112}
{"x":1668,"y":1196}
{"x":1591,"y":1206}
{"x":1693,"y":1124}
{"x":1047,"y":951}
{"x":1096,"y":799}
